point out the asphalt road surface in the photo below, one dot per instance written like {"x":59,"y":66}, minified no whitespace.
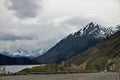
{"x":77,"y":76}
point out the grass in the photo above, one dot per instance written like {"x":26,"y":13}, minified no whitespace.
{"x":46,"y":68}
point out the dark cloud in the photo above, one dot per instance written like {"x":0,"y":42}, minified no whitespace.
{"x":13,"y":37}
{"x":25,"y":8}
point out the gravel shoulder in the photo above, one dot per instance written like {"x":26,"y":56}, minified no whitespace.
{"x":78,"y":76}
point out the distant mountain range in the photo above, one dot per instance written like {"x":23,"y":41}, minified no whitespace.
{"x":100,"y":57}
{"x":19,"y":57}
{"x":23,"y":53}
{"x":77,"y":43}
{"x":7,"y":60}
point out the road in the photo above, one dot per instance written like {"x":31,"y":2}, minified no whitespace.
{"x":77,"y":76}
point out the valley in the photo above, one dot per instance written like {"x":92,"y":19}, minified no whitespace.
{"x":59,"y":39}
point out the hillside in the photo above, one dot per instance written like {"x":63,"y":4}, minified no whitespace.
{"x":76,"y":43}
{"x":45,"y":68}
{"x":6,"y":60}
{"x":105,"y":55}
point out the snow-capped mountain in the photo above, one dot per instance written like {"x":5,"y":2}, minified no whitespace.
{"x":96,"y":31}
{"x":77,"y":42}
{"x":22,"y":53}
{"x":38,"y":52}
{"x":115,"y":28}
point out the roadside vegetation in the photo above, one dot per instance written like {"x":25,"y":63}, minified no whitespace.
{"x":46,"y":68}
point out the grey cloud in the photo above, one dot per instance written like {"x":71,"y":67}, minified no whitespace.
{"x":78,"y":21}
{"x":30,"y":37}
{"x":25,"y":8}
{"x":13,"y":37}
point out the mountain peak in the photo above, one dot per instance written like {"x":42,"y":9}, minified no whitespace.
{"x":94,"y":30}
{"x":90,"y":27}
{"x":92,"y":23}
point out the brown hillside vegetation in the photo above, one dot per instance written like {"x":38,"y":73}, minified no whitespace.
{"x":104,"y":55}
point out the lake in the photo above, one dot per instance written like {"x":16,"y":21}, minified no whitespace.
{"x":16,"y":68}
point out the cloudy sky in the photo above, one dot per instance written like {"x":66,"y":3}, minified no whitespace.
{"x":34,"y":24}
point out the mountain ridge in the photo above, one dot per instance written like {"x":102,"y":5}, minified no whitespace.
{"x":76,"y":43}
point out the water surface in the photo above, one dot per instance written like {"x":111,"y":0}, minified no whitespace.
{"x":16,"y":68}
